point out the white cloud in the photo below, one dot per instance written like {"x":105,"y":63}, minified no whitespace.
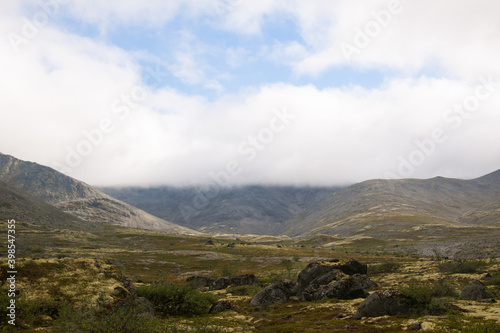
{"x":61,"y":84}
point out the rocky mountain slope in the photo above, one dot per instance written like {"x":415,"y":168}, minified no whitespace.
{"x":238,"y":210}
{"x":386,"y":208}
{"x":77,"y":198}
{"x":22,"y":207}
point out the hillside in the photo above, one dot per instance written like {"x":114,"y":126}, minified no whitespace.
{"x":20,"y":206}
{"x":77,"y":198}
{"x":388,"y":208}
{"x":239,"y":210}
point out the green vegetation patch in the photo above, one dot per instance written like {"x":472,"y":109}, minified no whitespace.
{"x":462,"y":266}
{"x":170,"y":299}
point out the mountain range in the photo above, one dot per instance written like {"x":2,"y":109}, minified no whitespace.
{"x":385,"y":209}
{"x":238,"y":210}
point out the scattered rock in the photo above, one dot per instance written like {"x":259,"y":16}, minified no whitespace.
{"x":388,"y":302}
{"x":238,"y":240}
{"x":416,"y":326}
{"x":475,"y":291}
{"x":231,"y":245}
{"x":278,"y":292}
{"x":221,"y":306}
{"x":175,"y":270}
{"x":210,"y":242}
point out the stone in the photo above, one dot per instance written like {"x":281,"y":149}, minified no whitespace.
{"x":199,"y":281}
{"x":221,"y":306}
{"x":344,"y":287}
{"x":382,"y":303}
{"x":278,"y":292}
{"x":416,"y":326}
{"x":475,"y":291}
{"x":175,"y":270}
{"x":210,"y":242}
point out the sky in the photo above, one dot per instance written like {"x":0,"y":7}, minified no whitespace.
{"x":231,"y":92}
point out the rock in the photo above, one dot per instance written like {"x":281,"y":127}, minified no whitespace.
{"x":221,"y":306}
{"x":278,"y":292}
{"x":388,"y":302}
{"x":138,"y":305}
{"x":238,"y":240}
{"x":234,"y":280}
{"x":175,"y":270}
{"x":210,"y":242}
{"x":475,"y":292}
{"x":231,"y":245}
{"x":345,"y":287}
{"x":199,"y":281}
{"x":416,"y":326}
{"x":487,"y":300}
{"x":127,"y":283}
{"x":323,"y":272}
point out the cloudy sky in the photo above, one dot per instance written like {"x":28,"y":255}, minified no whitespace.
{"x":322,"y":92}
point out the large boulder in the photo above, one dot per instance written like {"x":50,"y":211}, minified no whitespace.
{"x":476,"y":291}
{"x":330,"y":279}
{"x":199,"y":281}
{"x":388,"y":302}
{"x":278,"y":292}
{"x":344,"y":287}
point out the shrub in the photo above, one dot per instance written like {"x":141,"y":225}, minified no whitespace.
{"x":170,"y":299}
{"x":387,"y":267}
{"x":85,"y":319}
{"x":287,"y":263}
{"x":244,"y":290}
{"x":424,"y":292}
{"x":494,"y":281}
{"x":482,"y":328}
{"x":462,"y":266}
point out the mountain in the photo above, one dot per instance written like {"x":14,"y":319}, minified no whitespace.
{"x":77,"y":198}
{"x":237,"y":210}
{"x":22,"y":207}
{"x":390,"y":208}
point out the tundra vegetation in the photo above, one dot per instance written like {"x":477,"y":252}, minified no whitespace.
{"x":111,"y":279}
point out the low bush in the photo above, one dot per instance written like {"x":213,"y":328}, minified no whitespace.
{"x":462,"y":266}
{"x":482,"y":328}
{"x":387,"y":267}
{"x":425,"y":293}
{"x":85,"y":319}
{"x":169,"y":299}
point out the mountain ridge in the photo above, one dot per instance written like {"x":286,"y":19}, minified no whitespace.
{"x":77,"y":198}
